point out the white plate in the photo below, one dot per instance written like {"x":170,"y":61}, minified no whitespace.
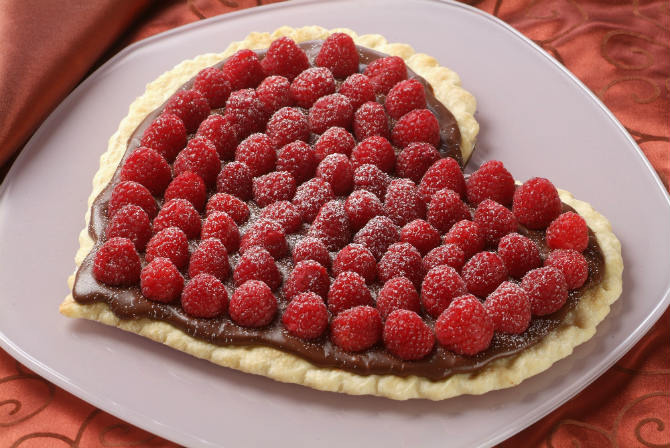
{"x":534,"y":115}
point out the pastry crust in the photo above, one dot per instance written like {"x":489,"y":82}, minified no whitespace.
{"x":578,"y":326}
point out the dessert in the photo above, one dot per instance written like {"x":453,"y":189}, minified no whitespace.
{"x":341,"y":247}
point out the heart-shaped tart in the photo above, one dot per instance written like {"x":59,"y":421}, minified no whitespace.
{"x":295,"y":207}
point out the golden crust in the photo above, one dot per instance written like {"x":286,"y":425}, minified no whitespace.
{"x":579,"y":325}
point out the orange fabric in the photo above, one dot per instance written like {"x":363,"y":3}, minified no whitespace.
{"x":619,"y":49}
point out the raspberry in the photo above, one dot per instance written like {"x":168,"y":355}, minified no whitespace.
{"x":376,"y":151}
{"x":572,"y":265}
{"x":483,"y":273}
{"x":129,"y":192}
{"x":161,"y":281}
{"x":536,"y":203}
{"x":170,"y":243}
{"x":467,"y":236}
{"x":407,"y":336}
{"x":201,"y":158}
{"x":419,"y":125}
{"x":257,"y":152}
{"x":334,"y":141}
{"x":369,"y":177}
{"x":235,"y":179}
{"x":166,"y":135}
{"x":287,"y":125}
{"x":274,"y":92}
{"x":257,"y":264}
{"x":337,"y":170}
{"x":465,"y":328}
{"x":306,"y":316}
{"x":446,"y":209}
{"x":273,"y":187}
{"x":370,"y":119}
{"x":284,"y":58}
{"x":440,"y":285}
{"x":220,"y":130}
{"x":267,"y":234}
{"x":494,"y":220}
{"x":214,"y":86}
{"x":211,"y":257}
{"x":546,"y":288}
{"x":358,"y":88}
{"x":243,"y":70}
{"x":339,"y":55}
{"x":307,"y":276}
{"x":148,"y":168}
{"x":285,"y":214}
{"x":190,"y":106}
{"x":233,"y":207}
{"x":178,"y":213}
{"x":130,"y":222}
{"x":445,"y":173}
{"x":377,"y":235}
{"x":188,"y":186}
{"x":421,"y":235}
{"x":402,"y":202}
{"x":347,"y":291}
{"x":222,"y":227}
{"x":568,"y":231}
{"x":329,"y":111}
{"x":310,"y":196}
{"x":401,"y":260}
{"x":298,"y":159}
{"x":386,"y":72}
{"x":246,"y":111}
{"x":361,"y":206}
{"x":356,"y":329}
{"x":311,"y":85}
{"x":397,"y":294}
{"x":311,"y":249}
{"x":204,"y":296}
{"x":331,"y":226}
{"x":405,"y":97}
{"x":356,"y":258}
{"x":117,"y":263}
{"x":253,"y":305}
{"x":447,"y":254}
{"x":520,"y":254}
{"x":491,"y":181}
{"x":509,"y":308}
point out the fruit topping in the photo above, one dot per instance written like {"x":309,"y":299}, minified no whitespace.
{"x":386,"y":72}
{"x":546,"y":289}
{"x":358,"y":88}
{"x":166,"y":135}
{"x":401,"y":260}
{"x":370,"y":119}
{"x":267,"y":234}
{"x":335,"y":140}
{"x":257,"y":152}
{"x":445,"y":173}
{"x":447,"y":254}
{"x":536,"y":203}
{"x":307,"y":276}
{"x":397,"y":294}
{"x":440,"y":286}
{"x":402,"y":202}
{"x":377,"y":235}
{"x":243,"y":70}
{"x":509,"y":308}
{"x":446,"y":209}
{"x":421,"y":235}
{"x":129,"y":192}
{"x":190,"y":106}
{"x":204,"y":296}
{"x":298,"y":159}
{"x":356,"y":258}
{"x":491,"y":181}
{"x":211,"y":257}
{"x":311,"y":85}
{"x":287,"y":125}
{"x":337,"y":170}
{"x":519,"y":253}
{"x":483,"y":273}
{"x":419,"y":125}
{"x":148,"y":168}
{"x":222,"y":227}
{"x":273,"y":187}
{"x":253,"y":305}
{"x":306,"y":316}
{"x":117,"y":263}
{"x":221,"y":132}
{"x":361,"y":206}
{"x":331,"y":226}
{"x":179,"y":213}
{"x":275,"y":93}
{"x":247,"y":112}
{"x":235,"y":179}
{"x":329,"y":111}
{"x":189,"y":186}
{"x":170,"y":243}
{"x":284,"y":58}
{"x":356,"y":329}
{"x":130,"y":222}
{"x":494,"y":220}
{"x":376,"y":151}
{"x":339,"y":55}
{"x":415,"y":159}
{"x":257,"y":264}
{"x":404,"y":97}
{"x":230,"y":205}
{"x":467,"y":235}
{"x":568,"y":231}
{"x":311,"y":249}
{"x":347,"y":291}
{"x":214,"y":86}
{"x":572,"y":265}
{"x":407,"y":336}
{"x":285,"y":214}
{"x":311,"y":196}
{"x":369,"y":177}
{"x":199,"y":157}
{"x":161,"y":281}
{"x":465,"y":327}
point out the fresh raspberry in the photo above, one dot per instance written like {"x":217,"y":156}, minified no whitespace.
{"x":421,"y":235}
{"x":494,"y":220}
{"x":222,"y":227}
{"x":405,"y":97}
{"x":334,"y":141}
{"x":211,"y":257}
{"x":419,"y":125}
{"x":376,"y":151}
{"x":306,"y":316}
{"x":483,"y":273}
{"x":285,"y":214}
{"x":403,"y":203}
{"x":401,"y":260}
{"x":117,"y":263}
{"x":356,"y":329}
{"x":273,"y":187}
{"x":257,"y":264}
{"x":267,"y":234}
{"x":247,"y":112}
{"x":233,"y":207}
{"x":311,"y":249}
{"x":310,"y":196}
{"x":284,"y":58}
{"x":465,"y":328}
{"x":220,"y":130}
{"x":307,"y":276}
{"x":509,"y":308}
{"x":546,"y":288}
{"x":329,"y":111}
{"x":415,"y":159}
{"x":130,"y":222}
{"x":359,"y":89}
{"x":377,"y":235}
{"x":311,"y":85}
{"x":199,"y":157}
{"x":189,"y":105}
{"x":397,"y":294}
{"x":161,"y":281}
{"x":519,"y":253}
{"x":356,"y":258}
{"x":337,"y":170}
{"x":188,"y":186}
{"x":257,"y":152}
{"x":298,"y":159}
{"x":347,"y":291}
{"x":449,"y":254}
{"x":440,"y":285}
{"x":129,"y":192}
{"x":339,"y":55}
{"x":243,"y":70}
{"x":536,"y":203}
{"x":467,"y":236}
{"x":370,"y":119}
{"x":491,"y":181}
{"x":214,"y":86}
{"x":235,"y":178}
{"x":170,"y":243}
{"x":274,"y":92}
{"x":445,"y":173}
{"x":253,"y":305}
{"x":204,"y":296}
{"x":407,"y":336}
{"x":148,"y":168}
{"x":361,"y":206}
{"x":287,"y":125}
{"x":386,"y":72}
{"x":331,"y":226}
{"x":178,"y":213}
{"x":166,"y":135}
{"x":568,"y":231}
{"x":446,"y":209}
{"x":369,"y":177}
{"x":572,"y":265}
